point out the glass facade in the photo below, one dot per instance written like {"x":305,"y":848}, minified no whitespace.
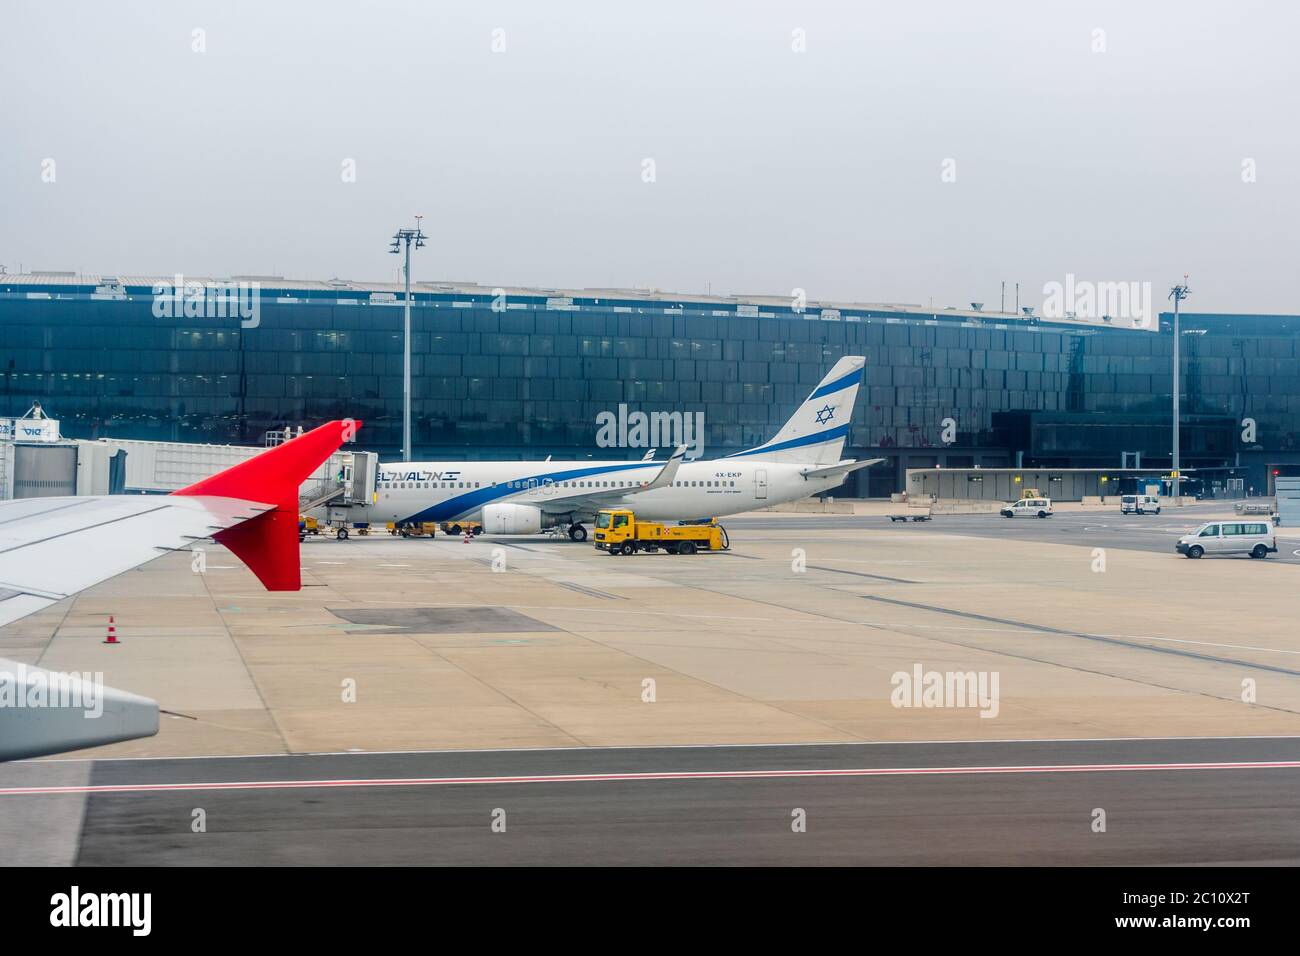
{"x":527,"y":375}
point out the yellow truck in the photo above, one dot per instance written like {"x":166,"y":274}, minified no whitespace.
{"x":619,"y":532}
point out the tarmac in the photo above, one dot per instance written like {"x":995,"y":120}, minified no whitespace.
{"x":795,"y":642}
{"x":793,"y":636}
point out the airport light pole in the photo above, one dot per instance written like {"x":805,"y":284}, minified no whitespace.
{"x":1177,"y":293}
{"x":400,"y":238}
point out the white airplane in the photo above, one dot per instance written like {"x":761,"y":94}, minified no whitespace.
{"x":52,"y":548}
{"x":523,"y":497}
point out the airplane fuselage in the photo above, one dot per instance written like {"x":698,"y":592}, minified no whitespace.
{"x":446,"y":491}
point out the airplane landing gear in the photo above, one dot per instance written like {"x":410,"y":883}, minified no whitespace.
{"x":577,"y":532}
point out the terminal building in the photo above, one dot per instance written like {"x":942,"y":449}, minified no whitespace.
{"x":525,"y":373}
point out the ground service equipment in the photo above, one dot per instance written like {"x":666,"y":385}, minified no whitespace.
{"x":619,"y":532}
{"x":459,"y":527}
{"x":422,"y":529}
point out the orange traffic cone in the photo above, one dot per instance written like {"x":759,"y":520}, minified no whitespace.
{"x":112,"y":632}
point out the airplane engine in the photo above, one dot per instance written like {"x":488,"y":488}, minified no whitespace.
{"x":512,"y":519}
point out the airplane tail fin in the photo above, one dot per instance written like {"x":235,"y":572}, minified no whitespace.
{"x":816,"y":432}
{"x":268,"y":544}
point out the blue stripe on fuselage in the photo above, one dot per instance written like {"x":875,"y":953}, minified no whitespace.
{"x":471,"y":501}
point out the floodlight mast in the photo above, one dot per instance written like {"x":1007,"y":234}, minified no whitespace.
{"x":1177,"y":293}
{"x":404,"y":238}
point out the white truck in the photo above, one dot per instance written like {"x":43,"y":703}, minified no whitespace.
{"x":1029,"y":508}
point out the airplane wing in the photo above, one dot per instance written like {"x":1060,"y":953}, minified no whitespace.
{"x":843,"y":468}
{"x":52,"y":548}
{"x":613,"y":497}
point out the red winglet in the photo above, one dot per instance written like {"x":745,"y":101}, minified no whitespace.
{"x":268,"y":544}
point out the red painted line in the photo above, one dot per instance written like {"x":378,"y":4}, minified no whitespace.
{"x":634,"y":777}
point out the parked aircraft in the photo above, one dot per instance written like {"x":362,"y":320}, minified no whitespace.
{"x":524,"y":497}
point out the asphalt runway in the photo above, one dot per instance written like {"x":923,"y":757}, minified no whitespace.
{"x":1165,"y":801}
{"x":1091,"y":529}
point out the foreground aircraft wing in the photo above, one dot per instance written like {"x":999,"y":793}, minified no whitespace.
{"x":843,"y":468}
{"x":610,"y":497}
{"x":52,"y":548}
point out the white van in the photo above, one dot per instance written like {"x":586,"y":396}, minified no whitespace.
{"x":1229,"y":537}
{"x":1029,"y":508}
{"x":1139,"y":504}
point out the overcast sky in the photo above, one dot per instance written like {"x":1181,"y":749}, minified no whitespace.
{"x":772,"y":168}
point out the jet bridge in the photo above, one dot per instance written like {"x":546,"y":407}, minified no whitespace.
{"x":40,"y":464}
{"x":350,"y":484}
{"x":153,"y":467}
